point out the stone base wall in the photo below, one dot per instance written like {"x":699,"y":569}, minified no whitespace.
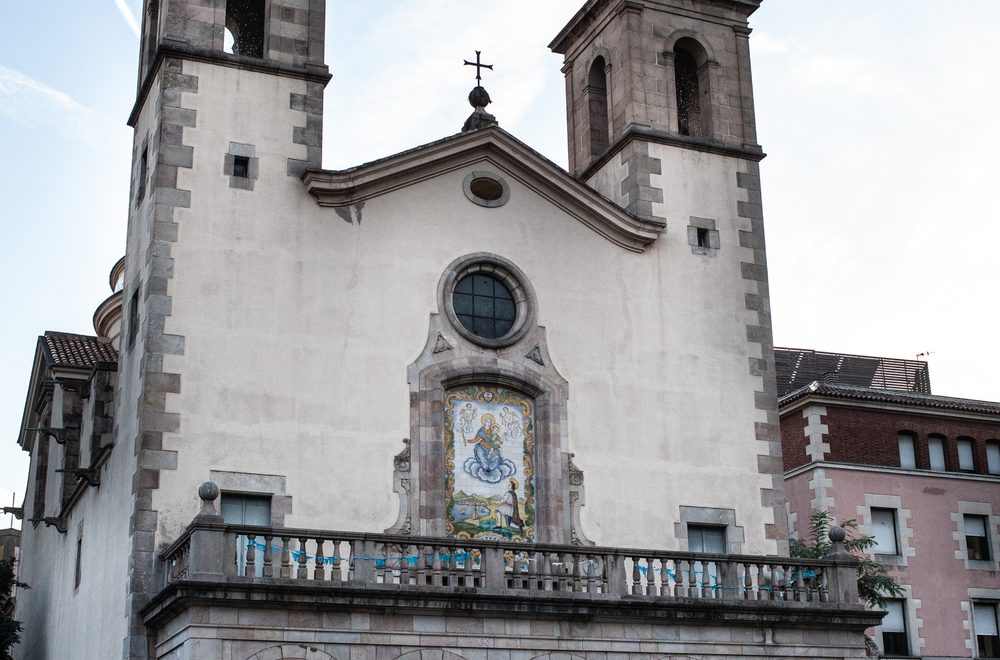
{"x":272,"y":633}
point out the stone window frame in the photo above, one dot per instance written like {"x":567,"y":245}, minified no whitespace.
{"x":914,"y":623}
{"x":507,"y":272}
{"x":714,"y":239}
{"x":984,"y":509}
{"x":482,"y":201}
{"x":142,"y":177}
{"x":251,"y":483}
{"x":904,"y":532}
{"x":981,"y":596}
{"x":248,"y":151}
{"x":710,"y":516}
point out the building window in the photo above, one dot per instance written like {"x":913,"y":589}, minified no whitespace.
{"x":484,"y":305}
{"x":894,"y":637}
{"x":133,"y":317}
{"x":78,"y":570}
{"x":246,"y":510}
{"x":987,"y":636}
{"x":688,"y":92}
{"x":993,"y":457}
{"x":977,"y":539}
{"x":143,"y":172}
{"x":966,"y":461}
{"x":884,"y":531}
{"x":486,"y":189}
{"x":245,"y":25}
{"x":935,"y":450}
{"x":241,"y":166}
{"x":907,"y":455}
{"x":597,"y":106}
{"x":707,"y":538}
{"x":487,"y":300}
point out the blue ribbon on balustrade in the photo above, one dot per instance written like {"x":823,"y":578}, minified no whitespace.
{"x":411,"y":560}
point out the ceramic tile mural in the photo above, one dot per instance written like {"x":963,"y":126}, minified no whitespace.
{"x":489,"y":463}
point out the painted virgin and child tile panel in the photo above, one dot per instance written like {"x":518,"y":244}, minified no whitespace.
{"x":489,"y":465}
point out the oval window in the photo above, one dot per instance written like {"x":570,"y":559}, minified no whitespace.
{"x":486,"y":189}
{"x":484,"y":306}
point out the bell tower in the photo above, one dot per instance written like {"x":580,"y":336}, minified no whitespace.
{"x":228,"y":116}
{"x":674,"y":73}
{"x":660,"y":116}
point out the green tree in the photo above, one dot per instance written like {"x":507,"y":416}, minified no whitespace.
{"x":10,"y":630}
{"x":875,"y":586}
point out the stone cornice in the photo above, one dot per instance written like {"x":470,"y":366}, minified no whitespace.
{"x":504,"y":151}
{"x":180,"y":595}
{"x":635,"y":132}
{"x":309,"y":72}
{"x":886,"y":470}
{"x":594,"y":9}
{"x":881,"y":406}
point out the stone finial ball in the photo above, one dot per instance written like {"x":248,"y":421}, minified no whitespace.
{"x":208,"y":491}
{"x":479,"y":98}
{"x":837,"y":534}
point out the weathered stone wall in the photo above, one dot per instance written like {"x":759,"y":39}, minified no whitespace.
{"x":243,"y":633}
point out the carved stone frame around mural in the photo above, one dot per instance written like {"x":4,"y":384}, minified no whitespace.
{"x":449,"y":360}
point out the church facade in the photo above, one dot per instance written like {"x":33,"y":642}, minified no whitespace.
{"x":428,"y":405}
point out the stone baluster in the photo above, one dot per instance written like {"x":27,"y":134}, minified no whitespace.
{"x":436,"y":575}
{"x":517,"y":581}
{"x":706,"y":579}
{"x":319,"y":572}
{"x":592,"y":574}
{"x":652,"y":588}
{"x":286,"y":556}
{"x":251,"y":547}
{"x":729,"y":582}
{"x":635,"y":588}
{"x":560,"y":564}
{"x":452,"y":574}
{"x":692,"y":579}
{"x":546,"y":571}
{"x":404,"y":566}
{"x":421,"y":565}
{"x":268,"y":556}
{"x":303,"y":570}
{"x":748,"y":592}
{"x":801,"y":592}
{"x":336,"y":565}
{"x":577,"y":579}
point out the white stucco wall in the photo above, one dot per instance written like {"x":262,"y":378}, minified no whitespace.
{"x":299,"y":327}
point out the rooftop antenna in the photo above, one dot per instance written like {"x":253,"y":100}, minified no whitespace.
{"x":924,"y":354}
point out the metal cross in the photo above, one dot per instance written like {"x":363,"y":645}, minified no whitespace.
{"x":479,"y":67}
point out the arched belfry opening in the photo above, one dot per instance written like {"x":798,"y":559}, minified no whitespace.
{"x":597,"y":106}
{"x":245,"y":20}
{"x":692,"y":87}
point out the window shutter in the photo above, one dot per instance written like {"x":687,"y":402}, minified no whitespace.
{"x":893,"y":621}
{"x":975,"y":526}
{"x":986,"y":620}
{"x":884,"y":531}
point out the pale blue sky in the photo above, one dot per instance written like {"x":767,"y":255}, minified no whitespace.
{"x":879,"y":118}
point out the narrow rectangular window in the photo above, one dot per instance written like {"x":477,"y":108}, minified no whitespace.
{"x":247,"y":510}
{"x":907,"y":456}
{"x":993,"y":457}
{"x":935,"y":447}
{"x":143,"y":171}
{"x":966,"y":462}
{"x":977,"y":539}
{"x":894,"y":638}
{"x":133,"y":317}
{"x":241,"y":166}
{"x":702,"y":237}
{"x":707,"y":538}
{"x":884,"y":531}
{"x":78,"y":573}
{"x":987,"y":635}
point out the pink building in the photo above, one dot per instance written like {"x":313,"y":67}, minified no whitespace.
{"x":864,"y":438}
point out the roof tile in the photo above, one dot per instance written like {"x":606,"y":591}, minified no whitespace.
{"x":68,"y":350}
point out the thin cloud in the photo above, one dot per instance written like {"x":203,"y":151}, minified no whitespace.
{"x":27,"y":102}
{"x":129,"y":17}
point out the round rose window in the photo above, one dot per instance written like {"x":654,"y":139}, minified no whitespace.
{"x":484,"y":306}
